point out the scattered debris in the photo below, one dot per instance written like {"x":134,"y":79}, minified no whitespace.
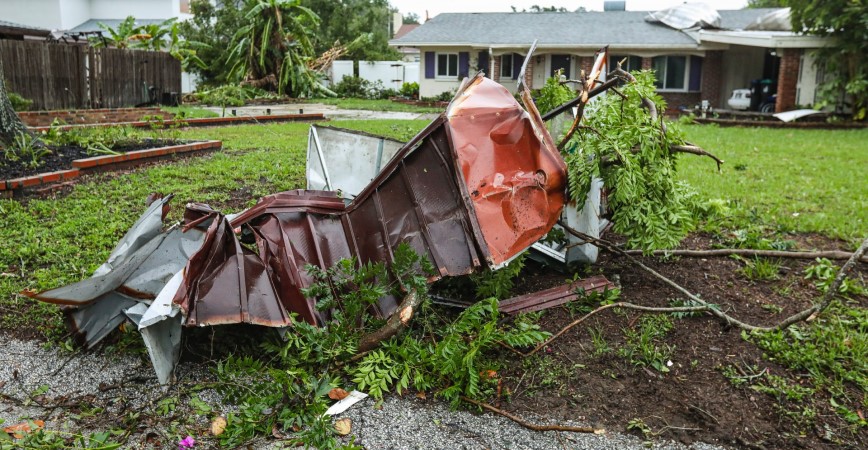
{"x":555,"y":296}
{"x":20,"y":429}
{"x":449,"y":193}
{"x":790,"y":116}
{"x":338,"y":394}
{"x":343,"y":426}
{"x":687,"y":15}
{"x":218,"y":425}
{"x":344,"y":404}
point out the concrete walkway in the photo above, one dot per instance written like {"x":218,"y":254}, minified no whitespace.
{"x":329,"y":111}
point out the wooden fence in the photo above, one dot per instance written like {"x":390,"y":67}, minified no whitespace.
{"x":62,"y":76}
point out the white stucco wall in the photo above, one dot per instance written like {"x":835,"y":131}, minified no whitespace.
{"x":140,"y":9}
{"x":66,"y":14}
{"x":35,"y":13}
{"x":74,"y":13}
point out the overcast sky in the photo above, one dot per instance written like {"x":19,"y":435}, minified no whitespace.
{"x":440,"y":6}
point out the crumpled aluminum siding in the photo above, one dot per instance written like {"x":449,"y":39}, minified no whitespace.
{"x":687,"y":15}
{"x":469,"y":191}
{"x":430,"y":195}
{"x":512,"y":170}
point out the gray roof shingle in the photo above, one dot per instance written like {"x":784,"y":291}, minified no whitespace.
{"x":18,"y":26}
{"x":93,"y":24}
{"x":592,"y":29}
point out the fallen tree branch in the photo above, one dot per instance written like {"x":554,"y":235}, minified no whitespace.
{"x":395,"y":323}
{"x":580,"y":112}
{"x":729,"y":320}
{"x":610,"y":306}
{"x":696,"y":150}
{"x":533,"y":426}
{"x":828,"y":254}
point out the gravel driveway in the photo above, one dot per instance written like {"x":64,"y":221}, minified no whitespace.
{"x":124,"y":383}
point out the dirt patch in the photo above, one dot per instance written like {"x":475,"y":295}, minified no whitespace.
{"x":61,"y":157}
{"x":695,"y":401}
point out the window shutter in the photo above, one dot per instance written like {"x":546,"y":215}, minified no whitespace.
{"x":483,"y":63}
{"x":695,"y":81}
{"x":429,"y":65}
{"x":517,"y":61}
{"x":463,"y":64}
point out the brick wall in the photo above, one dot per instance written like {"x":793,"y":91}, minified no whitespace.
{"x":496,"y":75}
{"x":676,"y":100}
{"x":711,"y":77}
{"x":90,"y":116}
{"x":788,"y":77}
{"x":528,"y":73}
{"x":586,"y":63}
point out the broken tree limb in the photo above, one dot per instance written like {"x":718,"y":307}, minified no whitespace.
{"x":729,"y":320}
{"x":593,"y":93}
{"x":696,"y":150}
{"x":579,"y":113}
{"x":396,"y":322}
{"x":529,"y":425}
{"x":828,"y":254}
{"x":610,"y":306}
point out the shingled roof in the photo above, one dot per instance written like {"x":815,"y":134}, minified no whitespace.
{"x":93,"y":24}
{"x":581,"y":29}
{"x":7,"y":27}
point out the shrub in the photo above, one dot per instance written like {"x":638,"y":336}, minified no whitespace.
{"x":353,"y":87}
{"x":357,"y":87}
{"x":226,"y":95}
{"x":19,"y":103}
{"x":410,"y":90}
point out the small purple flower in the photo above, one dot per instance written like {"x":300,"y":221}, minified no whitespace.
{"x":187,"y":442}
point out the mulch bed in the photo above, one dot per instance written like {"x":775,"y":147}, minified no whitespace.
{"x":695,"y":401}
{"x":61,"y":158}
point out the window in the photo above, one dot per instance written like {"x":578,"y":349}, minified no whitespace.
{"x":447,"y":65}
{"x":671,"y":72}
{"x":630,"y":63}
{"x":506,"y":64}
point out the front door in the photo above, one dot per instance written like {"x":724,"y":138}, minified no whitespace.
{"x":561,"y":62}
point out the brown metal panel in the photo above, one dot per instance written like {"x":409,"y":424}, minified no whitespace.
{"x":439,"y":200}
{"x":368,"y":232}
{"x":485,"y":180}
{"x":515,"y":176}
{"x":555,"y":296}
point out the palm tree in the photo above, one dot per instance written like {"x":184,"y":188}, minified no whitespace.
{"x":276,"y":42}
{"x":119,"y":37}
{"x":11,"y":126}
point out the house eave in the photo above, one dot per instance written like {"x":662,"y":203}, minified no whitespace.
{"x":764,"y":39}
{"x":543,"y":47}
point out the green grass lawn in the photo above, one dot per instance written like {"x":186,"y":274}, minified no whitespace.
{"x":374,"y":105}
{"x":802,"y":180}
{"x":190,"y":112}
{"x":46,"y":243}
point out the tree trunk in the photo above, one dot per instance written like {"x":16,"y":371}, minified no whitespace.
{"x":11,"y":125}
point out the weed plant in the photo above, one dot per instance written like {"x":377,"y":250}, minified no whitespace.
{"x":643,"y":347}
{"x":287,"y":387}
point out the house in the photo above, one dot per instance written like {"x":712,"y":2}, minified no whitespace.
{"x":84,"y":15}
{"x":408,"y":54}
{"x":692,"y":63}
{"x":17,"y":31}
